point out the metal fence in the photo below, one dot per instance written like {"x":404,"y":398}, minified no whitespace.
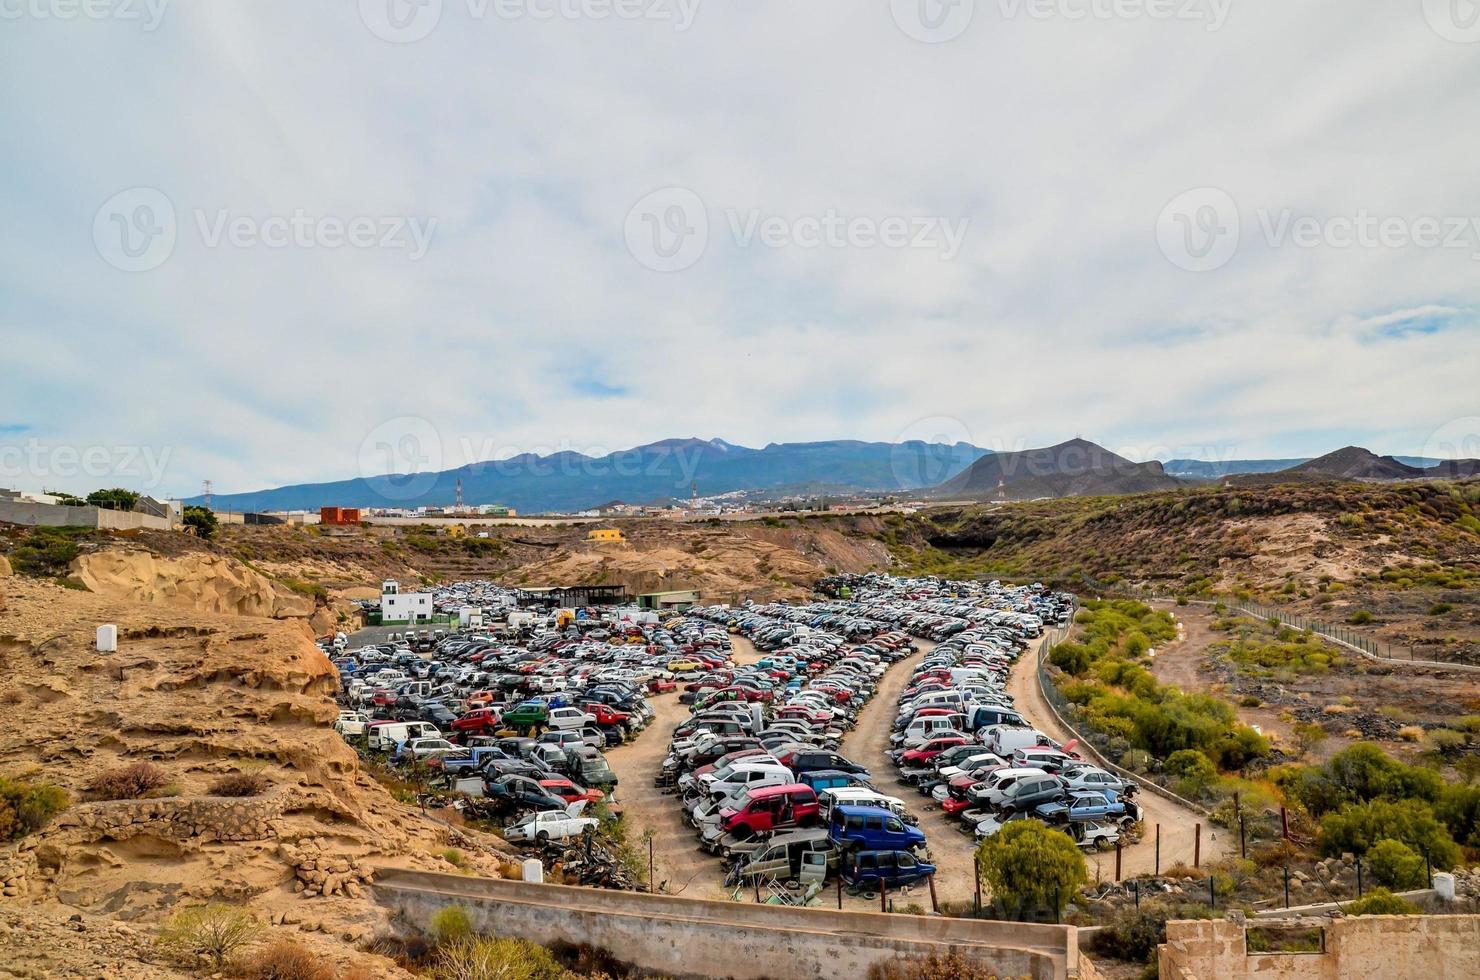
{"x":1364,"y":643}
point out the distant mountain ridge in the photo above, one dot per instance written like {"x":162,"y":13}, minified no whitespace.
{"x":1075,"y":468}
{"x":570,"y":481}
{"x":668,"y":470}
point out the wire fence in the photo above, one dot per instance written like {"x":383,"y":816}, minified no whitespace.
{"x":1364,"y":643}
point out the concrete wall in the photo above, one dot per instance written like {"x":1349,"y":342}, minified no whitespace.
{"x":1369,"y":947}
{"x":689,"y":937}
{"x":47,"y":515}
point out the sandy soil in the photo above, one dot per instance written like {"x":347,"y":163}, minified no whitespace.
{"x":1178,"y":824}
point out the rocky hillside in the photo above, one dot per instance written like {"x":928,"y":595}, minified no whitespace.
{"x":1401,"y":560}
{"x":1076,"y":468}
{"x":198,"y":698}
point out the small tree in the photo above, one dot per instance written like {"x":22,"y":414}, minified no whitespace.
{"x":1028,"y":864}
{"x":1395,"y":865}
{"x":202,"y":520}
{"x":1309,"y":737}
{"x":114,"y":499}
{"x":217,"y":930}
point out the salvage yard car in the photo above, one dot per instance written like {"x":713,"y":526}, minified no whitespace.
{"x":551,"y":825}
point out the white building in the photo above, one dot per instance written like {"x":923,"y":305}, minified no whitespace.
{"x":403,"y":607}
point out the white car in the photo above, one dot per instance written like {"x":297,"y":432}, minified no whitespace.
{"x":425,"y":748}
{"x":570,"y":718}
{"x":351,"y":723}
{"x":551,"y":825}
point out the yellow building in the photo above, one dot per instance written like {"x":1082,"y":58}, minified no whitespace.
{"x":605,"y":535}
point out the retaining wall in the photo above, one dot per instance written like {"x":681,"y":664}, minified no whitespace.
{"x":1369,"y":947}
{"x":53,"y":515}
{"x":689,"y":937}
{"x":217,"y":818}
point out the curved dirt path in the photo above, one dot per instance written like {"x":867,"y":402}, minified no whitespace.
{"x":951,"y":851}
{"x":680,"y":866}
{"x":1178,"y":824}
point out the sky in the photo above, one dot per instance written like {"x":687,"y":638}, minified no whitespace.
{"x":270,"y":242}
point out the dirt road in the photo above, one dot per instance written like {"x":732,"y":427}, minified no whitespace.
{"x":1178,"y":824}
{"x":680,"y":865}
{"x":950,"y":850}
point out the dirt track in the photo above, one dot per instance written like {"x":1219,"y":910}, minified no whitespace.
{"x":1178,"y":824}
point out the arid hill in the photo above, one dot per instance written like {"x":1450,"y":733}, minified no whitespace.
{"x":199,"y":697}
{"x":1407,"y":554}
{"x":1076,"y":468}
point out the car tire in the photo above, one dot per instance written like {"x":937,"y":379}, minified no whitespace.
{"x":542,"y":837}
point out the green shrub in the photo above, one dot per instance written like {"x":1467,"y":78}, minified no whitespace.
{"x":1194,"y":772}
{"x":1359,"y":618}
{"x":1357,"y":774}
{"x":450,"y":924}
{"x":1395,"y":865}
{"x":1380,"y":901}
{"x":1440,"y":608}
{"x":1357,"y":827}
{"x":26,"y":807}
{"x":1458,"y":809}
{"x":1029,"y":865}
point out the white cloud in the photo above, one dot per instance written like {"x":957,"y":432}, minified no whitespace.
{"x":529,"y":142}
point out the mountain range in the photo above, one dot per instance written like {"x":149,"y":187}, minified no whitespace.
{"x":673,"y":469}
{"x":661,"y":471}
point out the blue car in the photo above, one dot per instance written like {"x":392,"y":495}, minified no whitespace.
{"x":883,"y":870}
{"x":872,"y":828}
{"x":1083,"y":806}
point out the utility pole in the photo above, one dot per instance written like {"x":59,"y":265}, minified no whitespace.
{"x":205,"y":488}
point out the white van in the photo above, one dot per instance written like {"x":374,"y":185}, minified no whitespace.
{"x":724,"y":782}
{"x":1005,"y":741}
{"x":384,"y":738}
{"x":856,"y":796}
{"x":922,"y":730}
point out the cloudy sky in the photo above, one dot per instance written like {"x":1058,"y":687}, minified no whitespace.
{"x":271,"y":242}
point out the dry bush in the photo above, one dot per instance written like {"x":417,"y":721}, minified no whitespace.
{"x":216,"y":930}
{"x":1337,"y":709}
{"x":240,"y":784}
{"x":286,"y":960}
{"x":128,"y":783}
{"x":480,"y":958}
{"x":1411,"y":733}
{"x":948,"y":966}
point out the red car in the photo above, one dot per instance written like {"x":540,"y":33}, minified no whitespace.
{"x":570,"y":792}
{"x":606,"y":715}
{"x":660,"y":686}
{"x":916,"y":758}
{"x":479,"y":721}
{"x":770,"y":808}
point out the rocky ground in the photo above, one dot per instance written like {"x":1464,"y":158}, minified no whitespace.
{"x":199,"y":696}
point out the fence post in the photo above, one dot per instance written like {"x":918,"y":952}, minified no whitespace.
{"x":1359,"y":877}
{"x":1117,"y":860}
{"x":1243,"y":849}
{"x":1287,"y":886}
{"x":1197,"y":845}
{"x":1158,"y":850}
